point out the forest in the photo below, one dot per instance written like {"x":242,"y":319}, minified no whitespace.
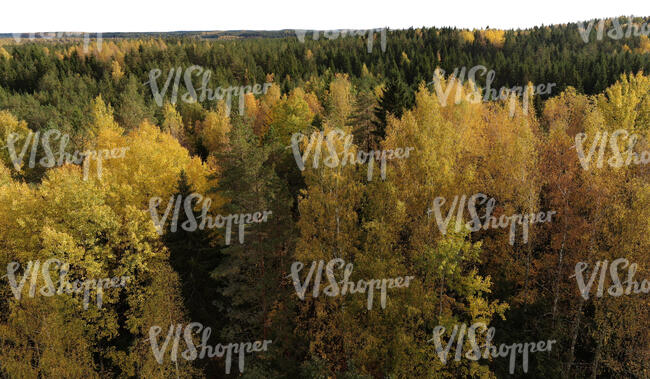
{"x":247,"y":204}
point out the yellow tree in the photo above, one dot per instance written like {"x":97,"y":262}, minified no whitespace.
{"x":172,"y":121}
{"x":103,"y":229}
{"x":213,"y":131}
{"x":340,"y":101}
{"x":290,"y":115}
{"x":328,"y":230}
{"x":448,"y":288}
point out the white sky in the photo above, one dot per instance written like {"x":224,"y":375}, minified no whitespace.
{"x":173,"y":15}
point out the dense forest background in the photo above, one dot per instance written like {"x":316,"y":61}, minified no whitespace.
{"x":526,"y":161}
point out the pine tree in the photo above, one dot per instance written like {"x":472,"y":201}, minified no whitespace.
{"x":395,"y":99}
{"x":253,"y":291}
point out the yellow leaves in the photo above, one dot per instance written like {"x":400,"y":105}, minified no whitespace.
{"x":482,"y":311}
{"x":566,"y":112}
{"x":136,"y":240}
{"x":75,"y":206}
{"x":340,"y":101}
{"x":18,"y":212}
{"x":173,"y":122}
{"x":214,"y":129}
{"x":474,"y":128}
{"x":509,"y":168}
{"x":404,"y":59}
{"x":314,"y":105}
{"x":198,"y":174}
{"x":365,"y":73}
{"x":330,"y":199}
{"x":467,"y":36}
{"x":5,"y":175}
{"x":93,"y":225}
{"x":626,"y":104}
{"x":103,"y":229}
{"x":251,"y":106}
{"x":102,"y":117}
{"x":494,"y":36}
{"x":116,"y":71}
{"x":435,"y":161}
{"x":4,"y":53}
{"x":644,"y":45}
{"x":272,"y":95}
{"x":55,"y":338}
{"x":151,"y":166}
{"x":65,"y":247}
{"x":291,"y":114}
{"x":263,"y":117}
{"x":9,"y":124}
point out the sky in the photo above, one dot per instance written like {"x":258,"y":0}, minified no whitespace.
{"x":173,"y":15}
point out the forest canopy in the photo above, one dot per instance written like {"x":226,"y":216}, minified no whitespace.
{"x":577,"y":151}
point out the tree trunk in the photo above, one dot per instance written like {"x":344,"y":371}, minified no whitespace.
{"x":556,"y":295}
